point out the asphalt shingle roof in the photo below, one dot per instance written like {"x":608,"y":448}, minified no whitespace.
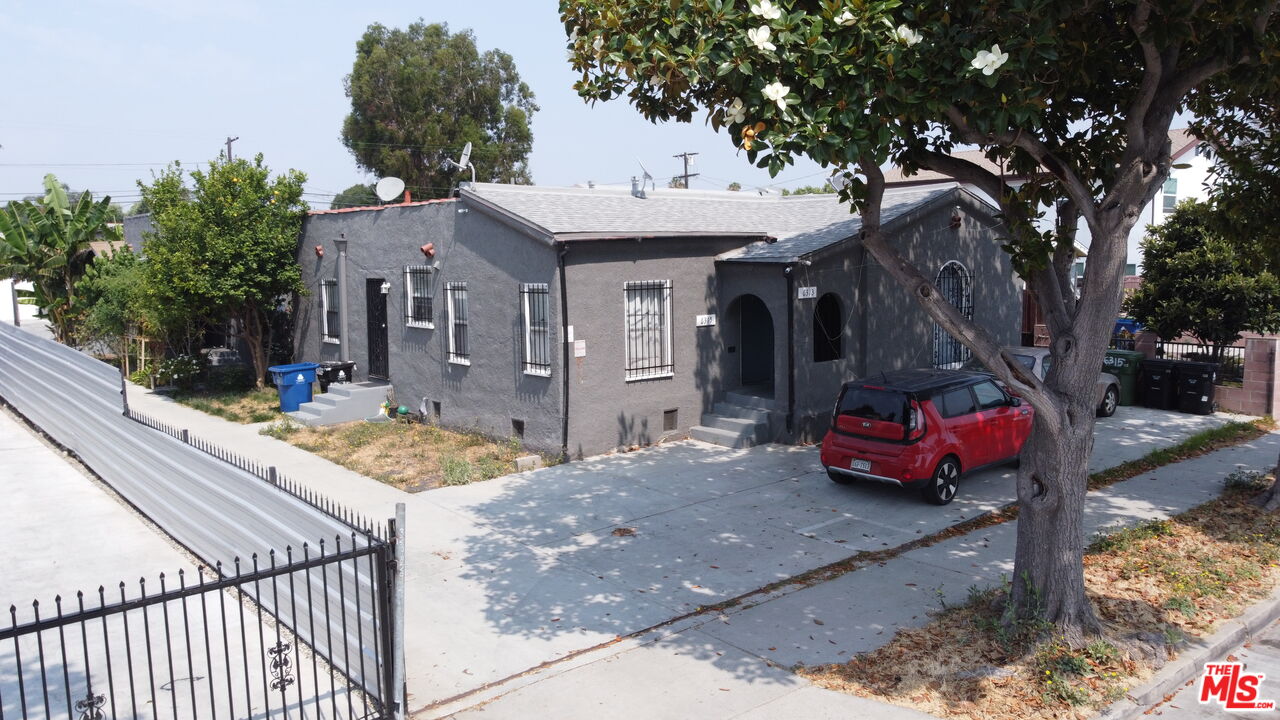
{"x":801,"y":224}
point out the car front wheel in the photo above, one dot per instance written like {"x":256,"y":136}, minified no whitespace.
{"x":940,"y":489}
{"x":1110,"y":399}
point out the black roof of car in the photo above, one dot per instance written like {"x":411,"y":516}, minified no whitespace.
{"x":924,"y":381}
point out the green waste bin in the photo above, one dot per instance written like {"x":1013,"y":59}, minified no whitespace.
{"x":1124,"y":365}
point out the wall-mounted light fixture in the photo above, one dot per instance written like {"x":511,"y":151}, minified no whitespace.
{"x":429,"y":249}
{"x":957,"y":218}
{"x":319,"y":251}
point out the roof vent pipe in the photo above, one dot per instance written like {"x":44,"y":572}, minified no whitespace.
{"x":637,"y":190}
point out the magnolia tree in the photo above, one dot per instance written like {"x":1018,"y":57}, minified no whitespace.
{"x":1078,"y":97}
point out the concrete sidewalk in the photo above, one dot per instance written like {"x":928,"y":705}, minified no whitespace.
{"x":729,"y":664}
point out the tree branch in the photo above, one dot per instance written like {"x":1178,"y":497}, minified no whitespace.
{"x":1152,"y":74}
{"x":1072,"y":184}
{"x":977,"y":338}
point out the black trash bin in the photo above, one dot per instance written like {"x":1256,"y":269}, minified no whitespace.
{"x":334,"y":371}
{"x":1158,"y":384}
{"x":1195,"y":387}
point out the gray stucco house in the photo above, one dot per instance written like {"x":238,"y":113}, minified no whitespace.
{"x":591,"y":319}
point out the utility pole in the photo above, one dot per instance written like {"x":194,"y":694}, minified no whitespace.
{"x":229,"y":141}
{"x":684,"y":178}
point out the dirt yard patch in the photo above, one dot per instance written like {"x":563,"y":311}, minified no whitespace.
{"x":242,"y":406}
{"x":409,"y":456}
{"x":1153,"y":586}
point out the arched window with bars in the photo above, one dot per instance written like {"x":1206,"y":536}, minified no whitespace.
{"x":956,"y":285}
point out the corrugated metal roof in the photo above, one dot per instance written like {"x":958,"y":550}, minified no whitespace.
{"x":802,"y":224}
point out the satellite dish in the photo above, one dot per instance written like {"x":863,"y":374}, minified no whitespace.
{"x":466,"y":156}
{"x":647,"y":176}
{"x":838,"y":181}
{"x":389,"y":188}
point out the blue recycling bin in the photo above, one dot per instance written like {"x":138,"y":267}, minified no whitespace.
{"x":293,"y":382}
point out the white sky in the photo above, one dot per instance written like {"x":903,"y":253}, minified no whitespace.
{"x":103,"y":93}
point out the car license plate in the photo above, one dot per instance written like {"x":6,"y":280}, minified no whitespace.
{"x":863,"y":465}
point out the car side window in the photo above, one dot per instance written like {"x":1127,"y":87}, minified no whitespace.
{"x":958,"y":402}
{"x":989,"y":396}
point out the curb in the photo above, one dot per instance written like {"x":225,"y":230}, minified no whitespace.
{"x":1189,"y":664}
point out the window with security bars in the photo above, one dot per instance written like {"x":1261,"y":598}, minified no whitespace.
{"x":535,"y":308}
{"x":456,"y":300}
{"x":956,"y":285}
{"x":417,"y":296}
{"x":648,"y":329}
{"x":329,"y":310}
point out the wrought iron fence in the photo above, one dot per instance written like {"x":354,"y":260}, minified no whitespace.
{"x":296,"y":638}
{"x":1230,"y":358}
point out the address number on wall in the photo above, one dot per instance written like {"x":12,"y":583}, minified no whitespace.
{"x":704,"y":320}
{"x":807,"y":293}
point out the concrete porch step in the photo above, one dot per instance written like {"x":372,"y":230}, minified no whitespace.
{"x":752,"y":428}
{"x":748,"y":400}
{"x":725,"y":409}
{"x":724,"y":438}
{"x":344,"y":402}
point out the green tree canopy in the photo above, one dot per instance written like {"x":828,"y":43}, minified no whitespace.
{"x":45,"y":241}
{"x":358,"y":195}
{"x":809,"y":190}
{"x":420,"y":94}
{"x":224,"y":249}
{"x":1197,"y":282}
{"x":1078,"y":96}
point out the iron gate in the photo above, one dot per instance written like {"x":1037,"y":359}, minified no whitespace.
{"x":238,"y":642}
{"x":955,"y":284}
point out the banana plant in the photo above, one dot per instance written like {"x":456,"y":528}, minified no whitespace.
{"x":46,"y":243}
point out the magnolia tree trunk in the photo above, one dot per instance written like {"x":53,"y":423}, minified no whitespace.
{"x":252,"y":333}
{"x":1052,"y":483}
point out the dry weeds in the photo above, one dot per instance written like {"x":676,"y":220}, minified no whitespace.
{"x":1152,"y":585}
{"x":410,"y":456}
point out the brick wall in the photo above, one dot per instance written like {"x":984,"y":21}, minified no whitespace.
{"x":1258,"y":396}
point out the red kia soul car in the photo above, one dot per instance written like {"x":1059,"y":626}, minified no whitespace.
{"x":923,"y":428}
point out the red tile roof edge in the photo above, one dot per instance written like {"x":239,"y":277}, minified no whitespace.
{"x":381,"y":207}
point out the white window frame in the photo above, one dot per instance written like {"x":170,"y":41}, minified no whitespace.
{"x":527,"y":292}
{"x":328,"y":334}
{"x":1165,"y":195}
{"x":666,"y":368}
{"x":409,"y":272}
{"x":452,"y":355}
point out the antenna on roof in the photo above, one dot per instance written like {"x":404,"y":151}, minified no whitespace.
{"x":464,"y":162}
{"x":647,"y":177}
{"x":389,"y":188}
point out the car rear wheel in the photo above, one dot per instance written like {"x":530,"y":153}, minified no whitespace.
{"x":1110,"y":400}
{"x":941,"y":487}
{"x":839,"y":478}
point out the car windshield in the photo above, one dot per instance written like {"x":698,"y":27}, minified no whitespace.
{"x":874,"y":404}
{"x":1028,"y":362}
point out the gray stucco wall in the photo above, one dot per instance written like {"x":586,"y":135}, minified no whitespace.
{"x":899,"y":333}
{"x":767,"y":282}
{"x":134,"y":227}
{"x":606,"y":411}
{"x":470,"y":247}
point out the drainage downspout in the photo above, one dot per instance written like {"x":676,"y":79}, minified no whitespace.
{"x":564,"y":337}
{"x":344,"y":337}
{"x":789,"y":272}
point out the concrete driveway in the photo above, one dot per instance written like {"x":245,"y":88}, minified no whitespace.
{"x":539,"y":566}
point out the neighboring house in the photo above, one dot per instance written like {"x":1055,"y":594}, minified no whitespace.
{"x":594,"y":319}
{"x":134,"y":228}
{"x":1187,"y":179}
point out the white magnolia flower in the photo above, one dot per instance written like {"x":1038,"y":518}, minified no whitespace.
{"x":989,"y":61}
{"x":845,"y":18}
{"x":760,"y":36}
{"x":736,"y":112}
{"x":573,"y":36}
{"x":777,"y":92}
{"x":767,"y":10}
{"x":907,"y":36}
{"x":598,"y":43}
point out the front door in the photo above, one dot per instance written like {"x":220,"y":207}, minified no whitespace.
{"x":376,"y":308}
{"x":756,"y":333}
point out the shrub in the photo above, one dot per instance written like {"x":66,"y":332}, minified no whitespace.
{"x":180,"y":370}
{"x":282,"y":428}
{"x":230,"y":378}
